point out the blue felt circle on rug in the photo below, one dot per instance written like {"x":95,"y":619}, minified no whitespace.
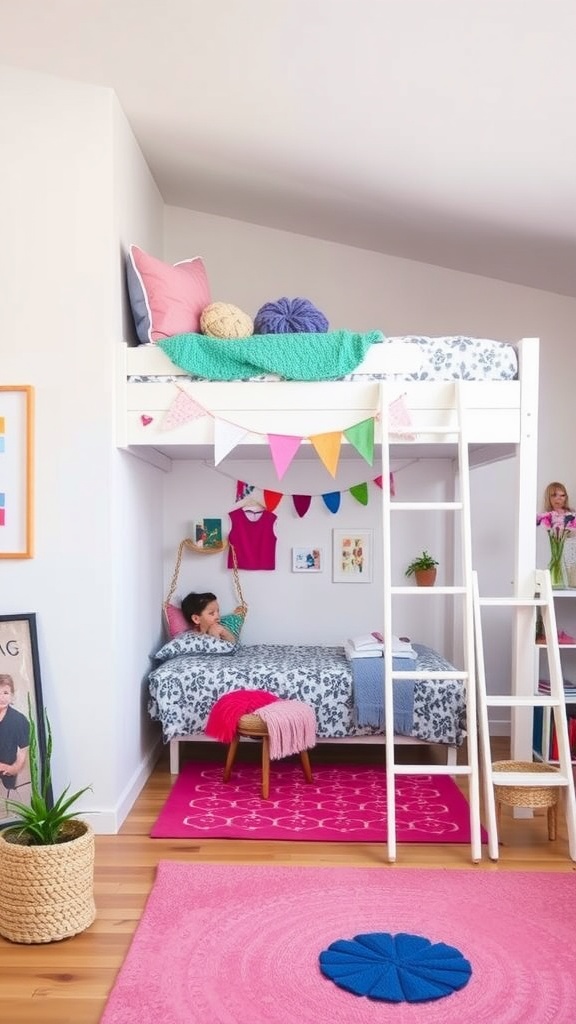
{"x":396,"y":968}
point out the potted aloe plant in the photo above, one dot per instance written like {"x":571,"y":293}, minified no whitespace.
{"x":423,"y":568}
{"x":46,"y":859}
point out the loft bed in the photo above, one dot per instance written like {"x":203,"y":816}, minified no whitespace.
{"x":500,"y":414}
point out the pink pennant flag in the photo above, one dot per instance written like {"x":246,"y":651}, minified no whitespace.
{"x":226,"y":437}
{"x":378,"y":482}
{"x":283,"y":448}
{"x":398,"y":418}
{"x":183,"y":409}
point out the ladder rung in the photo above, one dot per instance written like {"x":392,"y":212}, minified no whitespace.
{"x":437,"y":769}
{"x":461,"y":675}
{"x":549,"y":781}
{"x":512,"y":602}
{"x":534,"y":701}
{"x":429,"y":429}
{"x":438,"y":506}
{"x":427,"y":591}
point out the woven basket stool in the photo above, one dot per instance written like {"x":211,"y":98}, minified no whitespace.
{"x":255,"y":728}
{"x":527,"y":796}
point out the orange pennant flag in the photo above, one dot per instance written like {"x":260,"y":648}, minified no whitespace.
{"x":328,"y":448}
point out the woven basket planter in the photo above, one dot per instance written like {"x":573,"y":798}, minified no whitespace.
{"x":47,"y":892}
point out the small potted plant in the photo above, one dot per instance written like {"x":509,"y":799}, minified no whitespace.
{"x":423,"y":569}
{"x":46,"y":859}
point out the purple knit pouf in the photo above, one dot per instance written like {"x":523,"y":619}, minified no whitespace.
{"x":289,"y":316}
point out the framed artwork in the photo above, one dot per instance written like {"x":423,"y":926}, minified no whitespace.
{"x":352,"y":556}
{"x":307,"y":559}
{"x":207,"y":534}
{"x":16,"y":450}
{"x":19,"y":683}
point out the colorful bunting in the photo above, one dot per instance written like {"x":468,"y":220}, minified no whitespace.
{"x":301,"y":503}
{"x":332,"y":500}
{"x":398,"y":418}
{"x":327,"y":447}
{"x":360,"y":492}
{"x":283,"y":448}
{"x":243,"y":489}
{"x":183,"y":409}
{"x":361,"y":436}
{"x":272,"y":499}
{"x":226,"y":437}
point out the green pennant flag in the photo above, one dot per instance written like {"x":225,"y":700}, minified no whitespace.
{"x":360,"y":492}
{"x":361,"y":435}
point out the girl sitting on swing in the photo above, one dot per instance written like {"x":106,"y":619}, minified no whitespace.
{"x":203,"y":612}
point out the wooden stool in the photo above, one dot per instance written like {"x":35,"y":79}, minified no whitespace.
{"x":527,"y":796}
{"x":256,"y":728}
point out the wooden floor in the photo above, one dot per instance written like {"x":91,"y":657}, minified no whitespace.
{"x":68,"y":982}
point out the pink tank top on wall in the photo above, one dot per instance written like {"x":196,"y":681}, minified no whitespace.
{"x":253,"y":539}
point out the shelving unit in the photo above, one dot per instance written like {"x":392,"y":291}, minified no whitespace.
{"x":542,"y":731}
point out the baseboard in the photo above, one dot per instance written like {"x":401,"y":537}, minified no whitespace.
{"x":108,"y":822}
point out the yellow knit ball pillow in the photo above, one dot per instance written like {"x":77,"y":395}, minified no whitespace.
{"x":222,"y":320}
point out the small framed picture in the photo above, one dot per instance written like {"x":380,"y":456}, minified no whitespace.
{"x":307,"y":559}
{"x":352,"y":556}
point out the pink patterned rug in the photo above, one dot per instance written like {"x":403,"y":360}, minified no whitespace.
{"x":231,"y":944}
{"x":345,"y":803}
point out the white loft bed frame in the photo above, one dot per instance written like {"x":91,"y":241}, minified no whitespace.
{"x":501,"y":421}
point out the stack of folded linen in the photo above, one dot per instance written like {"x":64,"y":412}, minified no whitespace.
{"x":371,"y":645}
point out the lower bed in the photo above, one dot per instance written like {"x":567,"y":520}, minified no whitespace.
{"x":184,"y":688}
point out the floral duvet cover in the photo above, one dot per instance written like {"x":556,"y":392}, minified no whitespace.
{"x":183,"y":689}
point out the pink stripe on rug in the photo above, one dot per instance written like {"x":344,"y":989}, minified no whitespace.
{"x":231,"y":944}
{"x":345,"y":803}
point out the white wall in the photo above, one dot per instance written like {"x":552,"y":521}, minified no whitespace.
{"x":60,"y":319}
{"x":288,"y":607}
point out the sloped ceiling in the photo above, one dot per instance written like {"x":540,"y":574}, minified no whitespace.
{"x":437,"y":130}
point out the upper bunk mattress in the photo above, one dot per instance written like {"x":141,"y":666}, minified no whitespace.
{"x":424,"y":359}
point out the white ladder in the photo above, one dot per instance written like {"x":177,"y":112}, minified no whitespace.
{"x":429,"y":433}
{"x":564,"y":778}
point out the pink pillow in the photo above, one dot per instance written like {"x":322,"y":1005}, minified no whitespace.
{"x":166,"y":300}
{"x":176,"y":621}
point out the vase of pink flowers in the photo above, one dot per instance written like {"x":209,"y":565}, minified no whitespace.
{"x":559,"y":526}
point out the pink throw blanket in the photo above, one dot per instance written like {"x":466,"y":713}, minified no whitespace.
{"x":291,"y":727}
{"x":223,"y":719}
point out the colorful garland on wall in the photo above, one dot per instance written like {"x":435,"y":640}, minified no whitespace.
{"x":301,"y":502}
{"x":283,"y":447}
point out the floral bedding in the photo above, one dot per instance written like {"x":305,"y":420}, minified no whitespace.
{"x":183,"y":689}
{"x":444,"y":358}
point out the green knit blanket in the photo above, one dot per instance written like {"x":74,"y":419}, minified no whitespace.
{"x":303,"y":356}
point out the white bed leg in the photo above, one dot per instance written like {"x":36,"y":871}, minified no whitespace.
{"x":174,"y":757}
{"x":452,"y":756}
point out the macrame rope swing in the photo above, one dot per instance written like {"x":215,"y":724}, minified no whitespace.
{"x":191,"y":546}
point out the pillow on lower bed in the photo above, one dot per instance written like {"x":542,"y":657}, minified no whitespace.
{"x":194,"y":643}
{"x":165,"y":299}
{"x":177,"y":623}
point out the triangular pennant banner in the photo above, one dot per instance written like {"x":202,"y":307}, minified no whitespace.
{"x":182,"y":410}
{"x":361,"y":435}
{"x":243,"y":489}
{"x":399,"y":418}
{"x":378,"y":482}
{"x":360,"y":492}
{"x":272,"y":499}
{"x":301,"y":503}
{"x":226,"y":437}
{"x":332,"y":500}
{"x":283,"y":448}
{"x":328,"y":448}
